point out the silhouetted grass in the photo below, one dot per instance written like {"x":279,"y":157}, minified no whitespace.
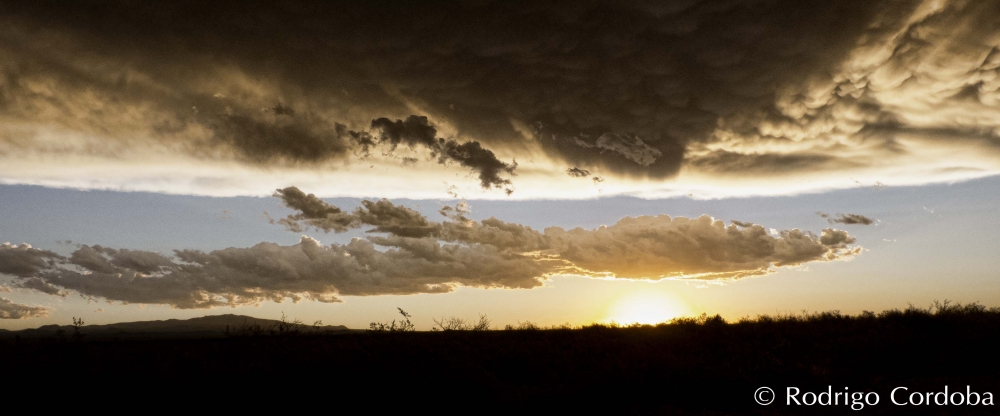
{"x":701,"y":365}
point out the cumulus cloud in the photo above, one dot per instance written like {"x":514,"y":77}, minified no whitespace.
{"x":11,"y":310}
{"x":313,"y":212}
{"x":384,"y":215}
{"x":307,"y":270}
{"x":23,"y":260}
{"x":407,"y":253}
{"x":643,"y":247}
{"x":849,"y":219}
{"x":661,"y":246}
{"x":708,"y":93}
{"x":577,"y":172}
{"x":387,"y":217}
{"x":41,"y":286}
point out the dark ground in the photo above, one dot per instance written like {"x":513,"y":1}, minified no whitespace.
{"x":703,"y":366}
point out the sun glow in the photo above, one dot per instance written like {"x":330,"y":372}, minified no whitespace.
{"x":646,"y":308}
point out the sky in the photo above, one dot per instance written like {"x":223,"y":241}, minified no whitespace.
{"x":559,"y":163}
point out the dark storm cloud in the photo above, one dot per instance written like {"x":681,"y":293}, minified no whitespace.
{"x":274,"y":140}
{"x":11,"y":310}
{"x":848,"y":219}
{"x":577,"y":172}
{"x":417,"y":131}
{"x":628,"y":147}
{"x":725,"y":161}
{"x":178,"y":85}
{"x":633,"y":89}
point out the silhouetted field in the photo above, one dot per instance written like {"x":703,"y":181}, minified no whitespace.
{"x":690,"y":366}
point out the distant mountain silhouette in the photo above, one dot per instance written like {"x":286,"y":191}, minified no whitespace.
{"x":213,"y":326}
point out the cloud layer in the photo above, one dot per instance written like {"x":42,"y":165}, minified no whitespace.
{"x":11,"y":310}
{"x":407,"y":253}
{"x":658,"y":98}
{"x":704,"y":248}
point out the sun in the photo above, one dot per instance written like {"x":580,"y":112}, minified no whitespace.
{"x":645,"y":308}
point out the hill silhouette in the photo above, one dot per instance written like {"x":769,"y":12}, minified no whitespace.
{"x":691,"y":366}
{"x":212,"y":326}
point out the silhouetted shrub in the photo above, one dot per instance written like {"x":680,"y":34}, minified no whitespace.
{"x":690,"y":366}
{"x":77,"y":324}
{"x":404,"y":324}
{"x":282,"y":327}
{"x":459,"y":324}
{"x":523,"y":326}
{"x":246,"y":329}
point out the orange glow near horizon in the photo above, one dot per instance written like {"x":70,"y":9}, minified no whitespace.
{"x":646,"y":308}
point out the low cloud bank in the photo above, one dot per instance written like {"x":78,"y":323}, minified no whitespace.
{"x":11,"y":310}
{"x":407,"y":253}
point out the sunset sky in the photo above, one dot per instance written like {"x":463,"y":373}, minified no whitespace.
{"x":553,"y":162}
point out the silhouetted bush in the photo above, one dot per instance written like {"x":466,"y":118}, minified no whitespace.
{"x":523,"y":326}
{"x":282,"y":328}
{"x":404,"y":324}
{"x":690,"y":366}
{"x":77,"y":324}
{"x":459,"y":324}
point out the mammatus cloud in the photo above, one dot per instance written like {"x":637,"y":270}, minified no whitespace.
{"x":626,"y":146}
{"x":407,"y":253}
{"x":849,"y":219}
{"x":661,"y":98}
{"x":11,"y":310}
